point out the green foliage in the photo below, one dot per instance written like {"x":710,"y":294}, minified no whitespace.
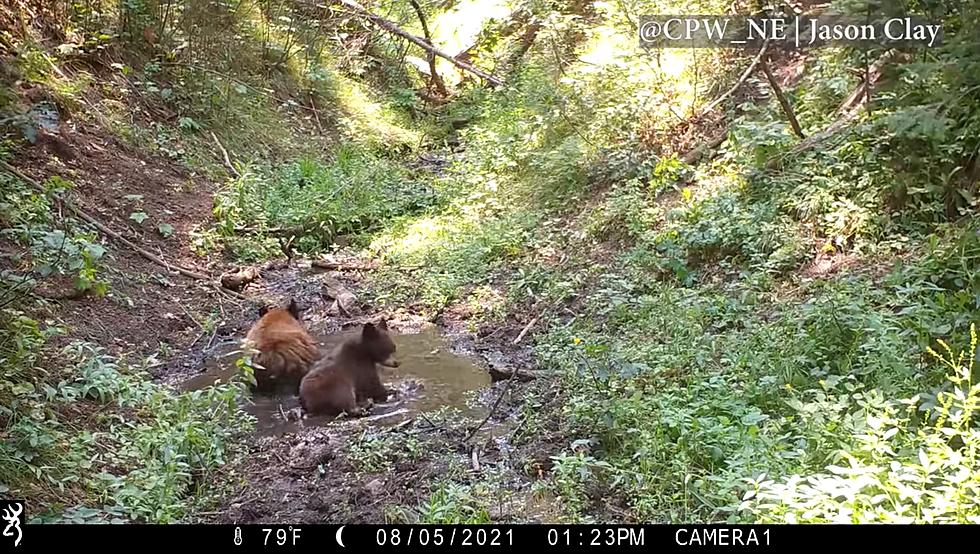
{"x":149,"y":448}
{"x":378,"y":452}
{"x":453,"y":503}
{"x":914,"y":462}
{"x":70,"y":251}
{"x":740,"y":340}
{"x":357,"y":192}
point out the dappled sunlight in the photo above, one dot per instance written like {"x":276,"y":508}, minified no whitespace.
{"x":662,"y":79}
{"x":457,"y":29}
{"x":702,"y":315}
{"x":414,"y":239}
{"x":365,"y":117}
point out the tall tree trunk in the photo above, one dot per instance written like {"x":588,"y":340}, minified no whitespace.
{"x":434,"y":79}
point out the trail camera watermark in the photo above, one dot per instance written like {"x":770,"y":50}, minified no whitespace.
{"x":711,"y":31}
{"x":12,"y":514}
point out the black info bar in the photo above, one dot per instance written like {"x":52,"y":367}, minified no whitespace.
{"x":461,"y":538}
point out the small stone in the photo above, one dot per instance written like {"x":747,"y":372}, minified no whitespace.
{"x":374,"y":487}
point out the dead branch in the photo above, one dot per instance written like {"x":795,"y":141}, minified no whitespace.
{"x":224,"y":153}
{"x":392,"y":28}
{"x":526,"y":328}
{"x":493,"y":408}
{"x":693,"y":154}
{"x":741,"y":80}
{"x":523,"y":375}
{"x":109,"y":232}
{"x":783,"y":101}
{"x":846,"y":112}
{"x":316,"y":115}
{"x":861,"y":92}
{"x":376,"y":417}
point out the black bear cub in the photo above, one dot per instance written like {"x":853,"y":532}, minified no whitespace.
{"x":350,"y":374}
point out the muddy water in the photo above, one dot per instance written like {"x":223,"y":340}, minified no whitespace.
{"x":430,"y":377}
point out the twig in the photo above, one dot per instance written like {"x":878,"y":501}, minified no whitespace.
{"x":430,"y":422}
{"x":224,"y":153}
{"x":492,"y":408}
{"x":211,"y":340}
{"x":398,"y":426}
{"x":846,"y":112}
{"x":745,"y":75}
{"x":524,"y":331}
{"x":199,"y":337}
{"x":316,"y":116}
{"x":385,"y":415}
{"x":98,"y":225}
{"x":194,"y":319}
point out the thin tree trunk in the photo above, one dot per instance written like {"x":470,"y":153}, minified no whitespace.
{"x":434,"y":78}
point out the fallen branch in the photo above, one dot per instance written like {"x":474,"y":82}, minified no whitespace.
{"x":224,"y":153}
{"x":385,"y":415}
{"x":98,"y":225}
{"x":492,"y":408}
{"x":846,"y":113}
{"x":524,"y":331}
{"x":316,"y":115}
{"x":860,"y":94}
{"x":523,"y":376}
{"x":783,"y":101}
{"x":693,"y":154}
{"x":741,"y":80}
{"x":392,"y":28}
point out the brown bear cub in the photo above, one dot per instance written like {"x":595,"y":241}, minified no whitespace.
{"x":350,"y":374}
{"x":285,"y":350}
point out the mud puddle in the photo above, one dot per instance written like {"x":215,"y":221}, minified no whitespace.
{"x":429,"y":378}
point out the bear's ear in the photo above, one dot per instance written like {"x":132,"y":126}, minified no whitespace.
{"x":294,"y":308}
{"x":383,"y":325}
{"x":370,"y":331}
{"x":263,"y":309}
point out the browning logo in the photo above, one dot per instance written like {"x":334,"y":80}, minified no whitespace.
{"x":11,"y":511}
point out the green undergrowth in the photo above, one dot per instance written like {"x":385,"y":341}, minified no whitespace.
{"x":86,"y":436}
{"x":357,"y":192}
{"x":89,"y":437}
{"x":750,"y":336}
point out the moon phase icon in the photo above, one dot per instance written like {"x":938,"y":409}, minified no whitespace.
{"x":340,"y":540}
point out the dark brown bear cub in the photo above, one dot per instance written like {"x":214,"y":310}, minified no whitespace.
{"x":285,"y":350}
{"x":349,"y":375}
